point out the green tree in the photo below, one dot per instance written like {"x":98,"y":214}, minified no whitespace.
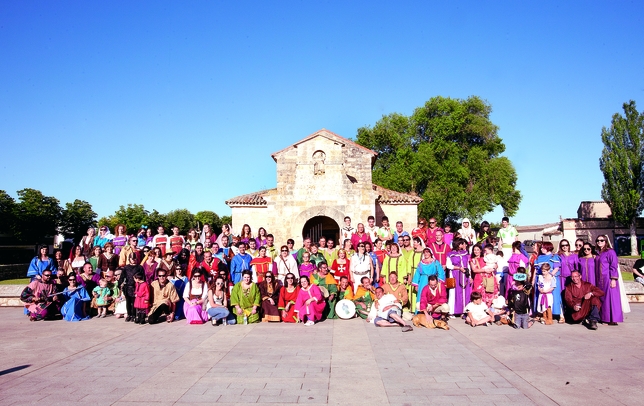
{"x":76,"y":218}
{"x":209,"y":217}
{"x":7,"y":214}
{"x":36,"y":216}
{"x":156,"y":219}
{"x":132,"y":215}
{"x":181,"y":218}
{"x":621,"y":163}
{"x":447,"y":152}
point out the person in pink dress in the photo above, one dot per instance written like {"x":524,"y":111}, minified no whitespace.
{"x":310,"y":302}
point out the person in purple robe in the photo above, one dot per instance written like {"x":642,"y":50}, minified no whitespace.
{"x":607,"y":270}
{"x":457,"y":261}
{"x":569,"y":262}
{"x":517,"y":260}
{"x":587,"y":263}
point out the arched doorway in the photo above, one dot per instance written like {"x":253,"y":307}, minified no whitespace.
{"x":319,"y":226}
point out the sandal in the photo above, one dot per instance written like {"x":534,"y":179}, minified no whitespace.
{"x":407,"y":328}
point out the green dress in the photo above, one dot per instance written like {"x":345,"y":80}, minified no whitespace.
{"x":246,"y":299}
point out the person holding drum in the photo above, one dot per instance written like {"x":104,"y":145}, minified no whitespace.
{"x":345,"y":308}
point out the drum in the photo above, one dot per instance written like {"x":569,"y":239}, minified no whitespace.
{"x":345,"y":309}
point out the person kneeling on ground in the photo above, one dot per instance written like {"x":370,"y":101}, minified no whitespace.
{"x":582,"y":300}
{"x":433,"y":302}
{"x":164,"y":299}
{"x":388,"y":311}
{"x":364,"y":297}
{"x":477,"y":312}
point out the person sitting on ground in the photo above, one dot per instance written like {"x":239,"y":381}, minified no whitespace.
{"x":164,"y":299}
{"x":329,"y":287}
{"x":364,"y":297}
{"x":582,"y":300}
{"x":477,"y":312}
{"x":399,"y":290}
{"x":310,"y":302}
{"x":218,"y":303}
{"x":39,"y":297}
{"x":388,"y":311}
{"x":433,"y":299}
{"x":269,"y":290}
{"x":345,"y":291}
{"x":638,"y":271}
{"x":245,"y":299}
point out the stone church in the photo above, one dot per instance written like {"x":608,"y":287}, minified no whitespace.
{"x":320,"y":180}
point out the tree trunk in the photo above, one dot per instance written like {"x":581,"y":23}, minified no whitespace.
{"x":633,"y":228}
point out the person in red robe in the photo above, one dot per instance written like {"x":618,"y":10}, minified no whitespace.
{"x":582,"y":300}
{"x":288,"y":297}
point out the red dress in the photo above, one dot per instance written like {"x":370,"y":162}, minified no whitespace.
{"x":478,"y":285}
{"x":285,"y":298}
{"x":262,"y":266}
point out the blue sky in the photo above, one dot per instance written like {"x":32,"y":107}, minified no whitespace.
{"x":180,"y":104}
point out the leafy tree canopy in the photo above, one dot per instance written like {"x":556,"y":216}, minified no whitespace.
{"x":621,"y":163}
{"x":448,"y":153}
{"x":36,"y":216}
{"x":76,"y":218}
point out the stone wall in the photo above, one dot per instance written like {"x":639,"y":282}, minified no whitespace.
{"x":407,"y":213}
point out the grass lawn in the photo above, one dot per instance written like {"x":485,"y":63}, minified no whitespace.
{"x":24,"y":281}
{"x":628,"y":276}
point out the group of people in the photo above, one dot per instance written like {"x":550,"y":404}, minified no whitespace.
{"x":385,"y":275}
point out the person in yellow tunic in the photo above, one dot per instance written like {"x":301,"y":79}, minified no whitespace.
{"x":394,"y":261}
{"x":245,"y":299}
{"x":364,"y":297}
{"x":325,"y":280}
{"x":412,"y":262}
{"x":330,"y":251}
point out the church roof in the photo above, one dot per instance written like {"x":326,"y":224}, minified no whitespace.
{"x":251,"y":199}
{"x":388,"y":196}
{"x":330,"y":135}
{"x":385,"y":196}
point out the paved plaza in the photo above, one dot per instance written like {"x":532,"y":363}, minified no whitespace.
{"x":110,"y":362}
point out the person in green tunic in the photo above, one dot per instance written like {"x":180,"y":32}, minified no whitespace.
{"x":245,"y":299}
{"x":325,"y":280}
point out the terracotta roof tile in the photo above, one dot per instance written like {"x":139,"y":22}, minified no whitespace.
{"x":388,"y":196}
{"x":251,"y":199}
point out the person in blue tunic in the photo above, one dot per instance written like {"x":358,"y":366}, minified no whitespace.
{"x":426,"y":267}
{"x":179,"y":281}
{"x":547,"y":256}
{"x":75,"y":297}
{"x":40,"y":263}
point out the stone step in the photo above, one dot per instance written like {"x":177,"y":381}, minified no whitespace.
{"x":10,"y":295}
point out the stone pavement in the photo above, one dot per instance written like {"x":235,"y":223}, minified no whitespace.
{"x":108,"y":361}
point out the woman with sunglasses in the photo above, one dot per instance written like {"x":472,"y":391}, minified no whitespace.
{"x":245,"y":299}
{"x":76,"y":298}
{"x":361,"y":265}
{"x":579,"y":244}
{"x":103,"y":236}
{"x":269,"y":291}
{"x":218,"y":303}
{"x":608,"y":272}
{"x":287,"y":299}
{"x":195,"y":296}
{"x":285,"y":264}
{"x":569,"y":262}
{"x":587,"y":264}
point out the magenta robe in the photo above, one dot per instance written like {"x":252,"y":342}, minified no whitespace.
{"x":463,"y":287}
{"x":588,"y":271}
{"x":607,"y":268}
{"x":314,"y":310}
{"x":568,"y":264}
{"x":513,"y":265}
